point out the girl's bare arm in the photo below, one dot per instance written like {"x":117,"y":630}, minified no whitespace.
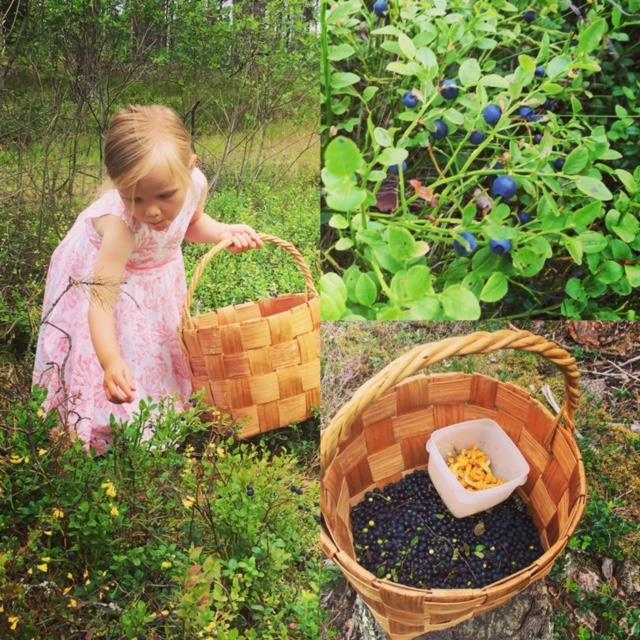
{"x":117,"y":246}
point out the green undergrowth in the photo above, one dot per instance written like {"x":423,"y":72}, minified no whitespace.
{"x":284,"y":206}
{"x":190,"y":534}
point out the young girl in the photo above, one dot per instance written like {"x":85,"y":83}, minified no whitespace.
{"x":106,"y":344}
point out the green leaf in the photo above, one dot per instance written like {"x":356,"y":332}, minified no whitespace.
{"x":426,"y":309}
{"x":418,"y":281}
{"x":382,"y":137}
{"x":593,"y":187}
{"x":401,"y":243}
{"x":343,"y":79}
{"x":342,"y":157}
{"x":340,"y":52}
{"x":338,"y":221}
{"x":495,"y":288}
{"x":557,"y":66}
{"x":551,"y":88}
{"x":609,"y":272}
{"x":427,"y":58}
{"x":404,"y":69}
{"x":343,"y":244}
{"x":369,"y":92}
{"x":366,"y":291}
{"x":347,"y":199}
{"x":469,"y":72}
{"x":575,"y":290}
{"x":633,"y":274}
{"x":574,"y":247}
{"x":576,"y":161}
{"x":460,"y":303}
{"x":591,"y":37}
{"x":494,"y":80}
{"x":592,"y":241}
{"x":406,"y":46}
{"x":392,"y":156}
{"x":584,"y":216}
{"x":627,"y":180}
{"x":527,"y":63}
{"x":333,"y":296}
{"x":454,"y":117}
{"x":625,"y":226}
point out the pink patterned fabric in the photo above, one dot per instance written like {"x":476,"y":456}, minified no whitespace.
{"x":147,"y":315}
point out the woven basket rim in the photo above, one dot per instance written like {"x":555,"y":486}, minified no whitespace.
{"x":307,"y":298}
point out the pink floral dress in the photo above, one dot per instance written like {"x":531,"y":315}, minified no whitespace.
{"x":147,"y":315}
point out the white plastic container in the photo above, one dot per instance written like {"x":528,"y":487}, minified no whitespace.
{"x":506,"y":462}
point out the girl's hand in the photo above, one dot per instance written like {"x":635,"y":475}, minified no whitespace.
{"x":244,"y":238}
{"x":118,"y":383}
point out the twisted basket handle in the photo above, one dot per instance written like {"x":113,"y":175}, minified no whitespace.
{"x":221,"y":246}
{"x":425,"y":355}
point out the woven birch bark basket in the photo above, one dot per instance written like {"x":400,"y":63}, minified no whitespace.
{"x":380,"y":435}
{"x":258,"y":361}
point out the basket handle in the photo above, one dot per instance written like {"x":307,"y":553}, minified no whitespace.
{"x":425,"y":355}
{"x":223,"y":244}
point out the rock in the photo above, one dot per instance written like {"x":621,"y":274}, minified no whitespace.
{"x":628,"y":575}
{"x":607,"y":568}
{"x":586,"y":579}
{"x":528,"y":616}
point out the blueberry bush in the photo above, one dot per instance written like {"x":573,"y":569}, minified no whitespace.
{"x":189,"y":534}
{"x":465,"y":172}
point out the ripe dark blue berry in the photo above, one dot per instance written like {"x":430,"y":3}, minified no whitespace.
{"x":395,"y":168}
{"x":500,"y":246}
{"x":558,"y":163}
{"x":461,"y":248}
{"x":449,"y":89}
{"x":381,"y":8}
{"x":441,"y":130}
{"x":529,"y":16}
{"x":551,"y":105}
{"x":297,"y":490}
{"x":250,"y":491}
{"x":477,"y":137}
{"x":492,"y":114}
{"x":504,"y":187}
{"x":539,"y":71}
{"x":417,"y":542}
{"x":537,"y":138}
{"x":524,"y":217}
{"x":410,"y":100}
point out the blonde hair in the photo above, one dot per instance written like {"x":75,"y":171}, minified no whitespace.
{"x":141,"y":135}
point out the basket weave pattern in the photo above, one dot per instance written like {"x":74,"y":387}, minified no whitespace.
{"x":259,"y":361}
{"x":381,"y":433}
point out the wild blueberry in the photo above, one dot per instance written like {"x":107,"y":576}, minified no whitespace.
{"x":395,"y":169}
{"x":558,"y":163}
{"x":529,"y":16}
{"x":504,"y":187}
{"x":524,"y":217}
{"x":551,"y":105}
{"x":250,"y":491}
{"x":380,"y":8}
{"x":539,"y":71}
{"x":410,"y":100}
{"x":461,"y":248}
{"x":492,"y":114}
{"x":441,"y":130}
{"x":297,"y":490}
{"x":477,"y":137}
{"x":537,"y":138}
{"x":449,"y":89}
